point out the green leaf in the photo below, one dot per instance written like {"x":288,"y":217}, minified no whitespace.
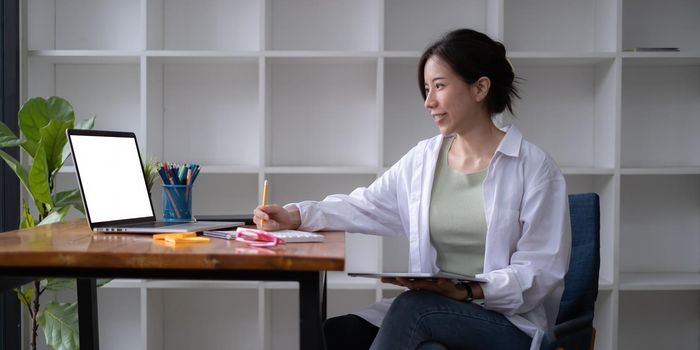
{"x":7,"y":137}
{"x":39,"y":179}
{"x":102,"y":281}
{"x":30,"y":147}
{"x":60,"y":324}
{"x":85,"y":124}
{"x":25,"y":296}
{"x":65,"y":153}
{"x":55,"y":215}
{"x":79,"y":207}
{"x":27,"y":218}
{"x":53,"y":139}
{"x":36,"y":113}
{"x":33,"y":115}
{"x":67,"y":198}
{"x":17,"y":168}
{"x":60,"y":109}
{"x":58,"y":284}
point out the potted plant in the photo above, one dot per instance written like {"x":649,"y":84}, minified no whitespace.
{"x":150,"y":171}
{"x":43,"y":124}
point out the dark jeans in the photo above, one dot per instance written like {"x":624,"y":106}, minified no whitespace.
{"x":348,"y":332}
{"x":424,"y":320}
{"x":419,"y":318}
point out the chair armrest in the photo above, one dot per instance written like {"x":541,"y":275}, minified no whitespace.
{"x":572,"y":334}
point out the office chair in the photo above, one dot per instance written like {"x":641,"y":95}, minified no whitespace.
{"x":574,"y":327}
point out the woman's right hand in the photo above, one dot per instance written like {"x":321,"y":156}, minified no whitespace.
{"x":276,"y":218}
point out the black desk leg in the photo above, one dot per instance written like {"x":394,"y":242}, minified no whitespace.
{"x":312,"y":309}
{"x":87,"y":314}
{"x":324,"y":298}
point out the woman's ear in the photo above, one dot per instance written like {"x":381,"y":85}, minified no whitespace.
{"x":481,"y":88}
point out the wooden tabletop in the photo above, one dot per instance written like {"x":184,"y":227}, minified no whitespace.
{"x":72,"y":244}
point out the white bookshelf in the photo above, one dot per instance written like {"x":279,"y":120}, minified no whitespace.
{"x":320,"y":97}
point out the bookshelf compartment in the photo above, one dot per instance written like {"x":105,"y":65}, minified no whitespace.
{"x":342,"y":302}
{"x":210,"y":112}
{"x":660,"y":114}
{"x":412,"y":25}
{"x":153,"y":322}
{"x":108,"y":91}
{"x":336,"y":25}
{"x":226,"y":25}
{"x":605,"y":186}
{"x":284,"y":313}
{"x":83,"y":25}
{"x":603,"y":320}
{"x":186,"y":311}
{"x":220,"y":194}
{"x":217,"y":194}
{"x":282,"y":322}
{"x":306,"y":126}
{"x":395,"y":254}
{"x":680,"y":312}
{"x":649,"y":23}
{"x":406,"y":121}
{"x":361,"y":250}
{"x":119,"y":318}
{"x":528,"y":25}
{"x":292,"y":188}
{"x":569,"y":111}
{"x":660,"y":221}
{"x":361,"y":254}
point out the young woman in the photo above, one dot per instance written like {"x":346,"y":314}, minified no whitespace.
{"x":475,"y":200}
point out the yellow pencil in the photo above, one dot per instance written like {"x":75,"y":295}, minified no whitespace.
{"x":264,"y":201}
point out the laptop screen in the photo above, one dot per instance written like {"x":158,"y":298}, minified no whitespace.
{"x":111,"y":177}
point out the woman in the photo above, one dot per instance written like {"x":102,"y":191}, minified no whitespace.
{"x":474,"y":200}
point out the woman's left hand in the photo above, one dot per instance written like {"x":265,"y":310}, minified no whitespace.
{"x":438,"y":285}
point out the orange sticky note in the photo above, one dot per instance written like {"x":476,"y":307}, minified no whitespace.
{"x":163,"y":236}
{"x":187,"y":239}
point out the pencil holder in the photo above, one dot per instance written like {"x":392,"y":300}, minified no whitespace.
{"x":177,"y":203}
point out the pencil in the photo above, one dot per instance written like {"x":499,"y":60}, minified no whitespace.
{"x":264,"y":200}
{"x":188,"y":183}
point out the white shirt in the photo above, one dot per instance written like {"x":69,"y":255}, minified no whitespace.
{"x":528,"y":238}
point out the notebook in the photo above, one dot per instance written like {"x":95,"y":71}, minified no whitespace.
{"x":113,"y":185}
{"x":289,"y":236}
{"x":294,"y":236}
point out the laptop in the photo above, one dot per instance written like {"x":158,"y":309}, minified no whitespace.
{"x":417,"y":275}
{"x":113,"y":185}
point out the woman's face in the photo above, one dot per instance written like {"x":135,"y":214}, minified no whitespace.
{"x":453,"y":104}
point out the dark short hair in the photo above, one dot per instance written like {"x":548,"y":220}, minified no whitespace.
{"x":473,"y":55}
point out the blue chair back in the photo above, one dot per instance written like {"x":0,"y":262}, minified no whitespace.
{"x":581,"y":281}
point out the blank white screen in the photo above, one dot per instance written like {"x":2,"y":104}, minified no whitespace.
{"x":111,"y":177}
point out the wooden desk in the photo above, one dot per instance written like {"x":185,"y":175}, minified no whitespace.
{"x":70,"y":249}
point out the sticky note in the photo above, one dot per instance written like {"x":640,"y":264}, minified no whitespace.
{"x":187,"y":239}
{"x":163,"y":236}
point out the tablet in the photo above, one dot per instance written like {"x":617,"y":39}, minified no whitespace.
{"x":417,"y":275}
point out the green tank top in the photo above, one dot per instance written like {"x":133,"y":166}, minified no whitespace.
{"x":457,"y":220}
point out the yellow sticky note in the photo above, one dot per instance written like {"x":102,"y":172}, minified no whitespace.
{"x":163,"y":236}
{"x":187,"y":239}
